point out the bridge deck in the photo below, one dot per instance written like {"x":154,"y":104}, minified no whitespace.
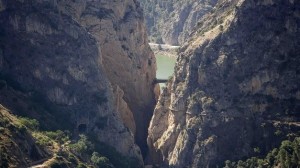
{"x":160,"y":81}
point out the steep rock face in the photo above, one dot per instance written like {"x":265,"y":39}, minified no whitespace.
{"x":172,"y":21}
{"x":127,"y":59}
{"x":235,"y":87}
{"x":82,"y":65}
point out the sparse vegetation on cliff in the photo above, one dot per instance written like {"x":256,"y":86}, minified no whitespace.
{"x":58,"y":150}
{"x":286,"y":156}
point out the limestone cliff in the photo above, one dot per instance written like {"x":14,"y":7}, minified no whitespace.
{"x":172,"y":21}
{"x":79,"y":65}
{"x":127,"y":59}
{"x":235,"y":88}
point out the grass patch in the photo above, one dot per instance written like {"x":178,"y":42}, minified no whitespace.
{"x":32,"y":124}
{"x":42,"y":140}
{"x":58,"y":136}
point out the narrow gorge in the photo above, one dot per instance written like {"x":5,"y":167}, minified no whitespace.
{"x":78,"y":83}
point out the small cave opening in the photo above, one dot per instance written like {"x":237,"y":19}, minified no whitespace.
{"x":82,"y":128}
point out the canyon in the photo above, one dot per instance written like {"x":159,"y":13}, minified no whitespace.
{"x":78,"y":83}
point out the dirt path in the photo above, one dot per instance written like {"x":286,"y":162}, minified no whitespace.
{"x":44,"y":163}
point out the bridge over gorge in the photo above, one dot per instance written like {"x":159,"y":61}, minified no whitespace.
{"x":160,"y":81}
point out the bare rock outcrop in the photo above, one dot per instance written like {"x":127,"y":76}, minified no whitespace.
{"x":235,"y":87}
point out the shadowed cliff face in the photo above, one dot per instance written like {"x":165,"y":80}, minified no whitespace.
{"x":79,"y":65}
{"x":127,"y":59}
{"x":235,"y":86}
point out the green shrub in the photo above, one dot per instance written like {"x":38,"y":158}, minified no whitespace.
{"x":32,"y":124}
{"x":42,"y":140}
{"x":221,"y":27}
{"x":2,"y":130}
{"x":59,"y":136}
{"x":82,"y":146}
{"x":256,"y":150}
{"x":5,"y":122}
{"x":287,"y":156}
{"x":117,"y":159}
{"x":81,"y":165}
{"x":72,"y":158}
{"x":99,"y":161}
{"x":277,"y":132}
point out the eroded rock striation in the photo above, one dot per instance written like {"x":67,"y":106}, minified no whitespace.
{"x":128,"y":61}
{"x":172,"y":21}
{"x":82,"y":65}
{"x":235,"y":87}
